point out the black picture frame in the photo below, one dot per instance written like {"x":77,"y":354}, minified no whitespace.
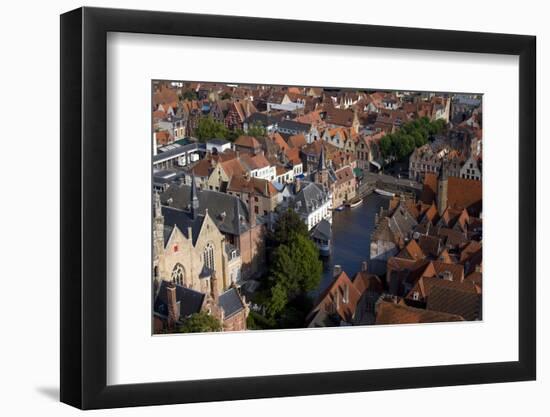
{"x":84,"y":207}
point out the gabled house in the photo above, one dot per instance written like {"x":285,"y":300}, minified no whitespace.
{"x":238,"y":112}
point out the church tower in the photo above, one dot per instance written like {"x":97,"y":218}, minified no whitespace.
{"x":194,"y":198}
{"x":442,"y":187}
{"x":321,"y":176}
{"x":158,"y":238}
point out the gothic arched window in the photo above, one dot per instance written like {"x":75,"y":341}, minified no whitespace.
{"x":208,"y":256}
{"x":178,"y":274}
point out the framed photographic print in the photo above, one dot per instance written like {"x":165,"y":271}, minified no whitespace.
{"x":258,"y":208}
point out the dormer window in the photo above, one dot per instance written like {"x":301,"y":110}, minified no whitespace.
{"x":416,"y":296}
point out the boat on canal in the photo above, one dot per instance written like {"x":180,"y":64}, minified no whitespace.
{"x":384,"y":193}
{"x":356,"y":202}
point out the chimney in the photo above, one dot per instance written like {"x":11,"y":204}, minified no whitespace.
{"x":336,"y":271}
{"x":364,"y":266}
{"x":173,"y":306}
{"x":447,"y":275}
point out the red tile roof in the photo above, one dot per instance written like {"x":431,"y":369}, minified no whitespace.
{"x":412,"y":251}
{"x":332,"y":299}
{"x":232,"y":167}
{"x":297,"y":141}
{"x":244,"y":184}
{"x":461,"y":193}
{"x":392,"y":313}
{"x":248,"y":142}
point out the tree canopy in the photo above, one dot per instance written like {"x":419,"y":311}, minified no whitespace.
{"x":295,"y":269}
{"x":208,"y":128}
{"x":288,"y":223}
{"x":256,"y":130}
{"x":188,"y":95}
{"x":411,"y":135}
{"x":200,"y":323}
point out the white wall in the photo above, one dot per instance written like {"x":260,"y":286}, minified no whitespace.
{"x":30,"y":75}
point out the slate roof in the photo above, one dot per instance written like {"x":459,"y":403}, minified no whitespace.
{"x":228,"y":212}
{"x":294,"y":126}
{"x":309,"y":197}
{"x":217,"y":142}
{"x":175,"y":152}
{"x":231,"y":303}
{"x":262,"y":118}
{"x":190,"y":301}
{"x":383,"y":231}
{"x":401,"y":222}
{"x":322,"y":230}
{"x":183,"y":220}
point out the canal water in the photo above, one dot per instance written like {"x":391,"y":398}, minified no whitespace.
{"x":351,"y":230}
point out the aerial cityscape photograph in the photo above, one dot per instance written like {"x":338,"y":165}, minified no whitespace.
{"x":294,"y":207}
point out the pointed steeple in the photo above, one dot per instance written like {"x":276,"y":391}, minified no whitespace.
{"x":194,"y":199}
{"x":322,"y":162}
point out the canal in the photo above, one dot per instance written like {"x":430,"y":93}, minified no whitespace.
{"x":351,"y":230}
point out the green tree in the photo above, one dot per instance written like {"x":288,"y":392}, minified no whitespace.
{"x":386,"y":145}
{"x":288,"y":223}
{"x":411,"y":135}
{"x":295,"y":269}
{"x":232,"y":135}
{"x":188,"y":95}
{"x":208,"y":128}
{"x":200,"y":323}
{"x":255,"y":321}
{"x":256,"y":130}
{"x":278,"y":300}
{"x":296,"y":266}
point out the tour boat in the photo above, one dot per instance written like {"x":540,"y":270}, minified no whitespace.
{"x":339,"y":208}
{"x":355,"y":203}
{"x":382,"y":192}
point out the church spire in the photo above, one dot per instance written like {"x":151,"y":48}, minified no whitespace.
{"x":194,"y":200}
{"x":322,"y":162}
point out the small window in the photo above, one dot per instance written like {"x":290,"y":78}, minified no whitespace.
{"x":176,"y":248}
